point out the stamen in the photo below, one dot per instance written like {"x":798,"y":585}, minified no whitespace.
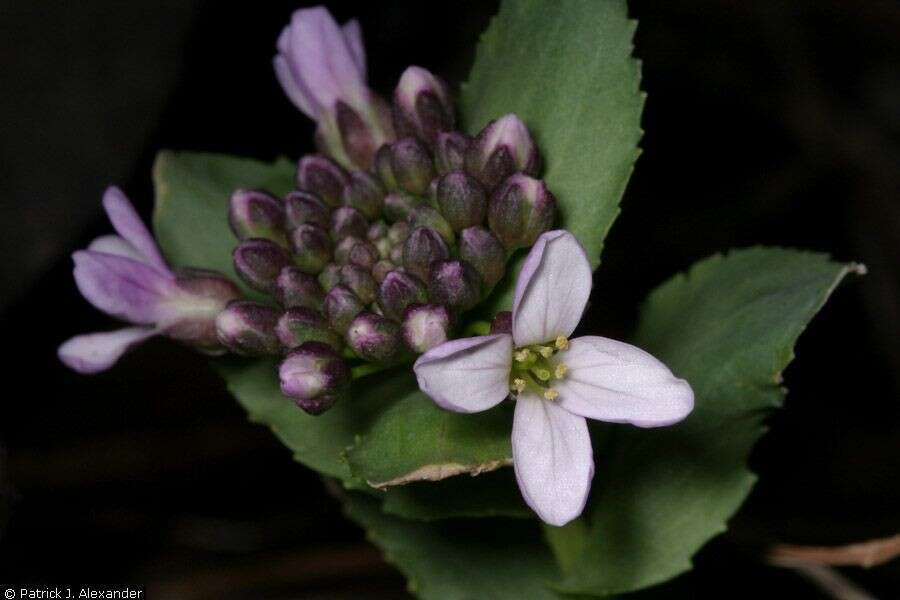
{"x":523,"y":355}
{"x":518,"y":385}
{"x":562,"y":343}
{"x":542,"y":374}
{"x":546,"y":351}
{"x":561,"y":371}
{"x":551,"y":394}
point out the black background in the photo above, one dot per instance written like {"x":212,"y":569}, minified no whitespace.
{"x":766,"y":122}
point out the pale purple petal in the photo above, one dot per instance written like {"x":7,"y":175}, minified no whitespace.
{"x":552,"y":289}
{"x":123,"y":287}
{"x":552,"y":457}
{"x":292,"y":89}
{"x":617,"y":382}
{"x":353,"y":35}
{"x":95,"y":352}
{"x":467,"y":375}
{"x":114,"y":244}
{"x":128,"y":224}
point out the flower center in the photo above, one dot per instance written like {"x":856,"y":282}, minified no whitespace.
{"x":536,"y":367}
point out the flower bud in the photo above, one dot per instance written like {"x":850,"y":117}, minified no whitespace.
{"x":311,"y":248}
{"x":359,"y":281}
{"x":450,"y":151}
{"x":461,"y":200}
{"x":383,"y":246}
{"x":323,"y":177}
{"x":398,"y":232}
{"x":340,"y":307}
{"x":381,"y":270}
{"x":422,"y":105}
{"x":361,"y":133}
{"x":294,"y":288}
{"x":258,"y":262}
{"x":412,"y":165}
{"x":364,"y":193}
{"x":306,"y":207}
{"x":256,"y":214}
{"x":396,"y":255}
{"x":425,"y":326}
{"x":377,"y":231}
{"x":315,"y":376}
{"x":384,"y":168}
{"x":502,"y":323}
{"x":423,"y":247}
{"x":397,"y":291}
{"x":347,"y":221}
{"x":520,"y":210}
{"x":330,"y":276}
{"x":482,"y":250}
{"x":248,"y":328}
{"x":209,"y":292}
{"x":454,"y":283}
{"x":399,"y":205}
{"x":426,"y":216}
{"x":373,"y":338}
{"x":503,"y":147}
{"x":352,"y":250}
{"x":299,"y":325}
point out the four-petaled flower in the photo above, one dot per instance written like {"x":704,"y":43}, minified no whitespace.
{"x":556,"y":382}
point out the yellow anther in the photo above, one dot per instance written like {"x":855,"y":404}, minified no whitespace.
{"x":551,"y":394}
{"x":518,"y":385}
{"x":546,"y":351}
{"x":562,"y":343}
{"x":542,"y":374}
{"x":560,"y":371}
{"x":523,"y":355}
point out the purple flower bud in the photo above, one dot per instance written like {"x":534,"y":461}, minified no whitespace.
{"x":359,"y":281}
{"x":412,"y":165}
{"x":399,"y":205}
{"x":306,"y":208}
{"x":381,"y":270}
{"x":294,"y":288}
{"x":377,"y":231}
{"x":258,"y":262}
{"x":315,"y":376}
{"x":455,"y":283}
{"x":503,"y":147}
{"x":341,"y":307}
{"x":384,"y":247}
{"x":461,"y":200}
{"x":373,"y":337}
{"x":423,"y":247}
{"x":425,"y":326}
{"x":209,"y":293}
{"x":352,"y":250}
{"x":482,"y":250}
{"x":248,"y":328}
{"x":450,"y":151}
{"x":256,"y":214}
{"x":422,"y":105}
{"x":398,"y":232}
{"x":426,"y":216}
{"x":520,"y":210}
{"x":347,"y":221}
{"x":384,"y":168}
{"x":311,"y":248}
{"x":299,"y":325}
{"x":323,"y":177}
{"x":360,"y":134}
{"x":330,"y":276}
{"x":396,"y":255}
{"x":364,"y":193}
{"x":397,"y":291}
{"x":502,"y":323}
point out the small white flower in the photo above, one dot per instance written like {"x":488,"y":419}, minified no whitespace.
{"x":556,"y":382}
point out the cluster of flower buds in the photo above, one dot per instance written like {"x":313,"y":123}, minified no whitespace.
{"x":395,"y":228}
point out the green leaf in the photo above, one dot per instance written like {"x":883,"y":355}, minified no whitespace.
{"x":566,"y":69}
{"x":728,"y":327}
{"x":457,"y":560}
{"x":191,"y":212}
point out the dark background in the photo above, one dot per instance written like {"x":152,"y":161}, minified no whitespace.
{"x":766,"y":122}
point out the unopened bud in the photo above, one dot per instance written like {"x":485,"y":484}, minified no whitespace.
{"x":377,"y":231}
{"x":502,"y":323}
{"x":381,"y":270}
{"x":373,"y":338}
{"x":520,"y":210}
{"x":210,"y":293}
{"x":503,"y":147}
{"x":256,"y":214}
{"x":396,"y":255}
{"x":397,"y":291}
{"x":361,"y":133}
{"x":450,"y":151}
{"x":398,"y":232}
{"x":384,"y":247}
{"x":323,"y":177}
{"x":426,"y":216}
{"x":399,"y":205}
{"x":422,"y":105}
{"x":412,"y":165}
{"x":314,"y":376}
{"x":356,"y":251}
{"x":330,"y":276}
{"x":425,"y":326}
{"x":359,"y":281}
{"x":347,"y":221}
{"x":480,"y":248}
{"x":306,"y":208}
{"x":384,"y":168}
{"x":340,"y":307}
{"x":294,"y":288}
{"x":299,"y":325}
{"x":311,"y":248}
{"x":364,"y":193}
{"x":248,"y":328}
{"x":423,"y":247}
{"x":454,"y":283}
{"x":461,"y":199}
{"x":258,"y":262}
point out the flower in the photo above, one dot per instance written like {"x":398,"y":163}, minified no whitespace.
{"x":126,"y":277}
{"x":322,"y":69}
{"x":556,"y":382}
